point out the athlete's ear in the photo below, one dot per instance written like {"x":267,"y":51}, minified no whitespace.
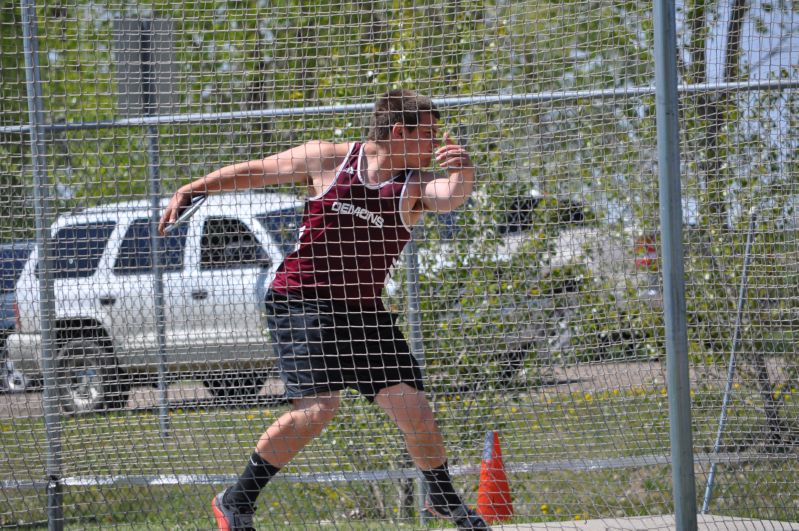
{"x":398,"y":130}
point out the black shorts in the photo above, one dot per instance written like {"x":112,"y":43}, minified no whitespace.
{"x":325,"y":346}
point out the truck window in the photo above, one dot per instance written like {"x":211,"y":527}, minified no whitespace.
{"x":12,"y":260}
{"x":135,"y":252}
{"x":77,"y":249}
{"x":227,"y":243}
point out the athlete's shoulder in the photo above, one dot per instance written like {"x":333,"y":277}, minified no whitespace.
{"x":330,"y":154}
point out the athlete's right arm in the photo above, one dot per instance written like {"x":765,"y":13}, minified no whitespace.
{"x":301,"y":164}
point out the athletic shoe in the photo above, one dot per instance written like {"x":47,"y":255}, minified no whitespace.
{"x":461,"y":516}
{"x":229,"y":517}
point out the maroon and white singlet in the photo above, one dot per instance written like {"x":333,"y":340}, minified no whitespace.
{"x":350,"y":236}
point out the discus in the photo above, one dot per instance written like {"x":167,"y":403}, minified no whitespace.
{"x":186,"y":213}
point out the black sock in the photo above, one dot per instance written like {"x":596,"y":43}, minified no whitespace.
{"x":441,"y":493}
{"x":254,"y":478}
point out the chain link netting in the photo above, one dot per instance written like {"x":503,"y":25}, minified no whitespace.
{"x":535,"y":310}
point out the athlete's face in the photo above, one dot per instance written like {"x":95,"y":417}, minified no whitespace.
{"x":420,"y":142}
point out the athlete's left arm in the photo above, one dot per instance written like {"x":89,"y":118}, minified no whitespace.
{"x":443,"y":193}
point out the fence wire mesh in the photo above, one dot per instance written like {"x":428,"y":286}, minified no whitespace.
{"x":533,"y":310}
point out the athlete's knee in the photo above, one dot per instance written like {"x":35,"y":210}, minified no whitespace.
{"x":316,"y":412}
{"x":422,"y":426}
{"x":420,"y":415}
{"x":410,"y":410}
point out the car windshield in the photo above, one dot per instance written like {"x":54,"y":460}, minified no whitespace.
{"x":282,"y":225}
{"x":12,"y":260}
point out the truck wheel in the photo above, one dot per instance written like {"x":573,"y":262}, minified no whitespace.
{"x":88,"y":378}
{"x":13,"y":381}
{"x":242,"y":384}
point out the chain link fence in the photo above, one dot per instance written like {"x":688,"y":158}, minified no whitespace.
{"x":138,"y":372}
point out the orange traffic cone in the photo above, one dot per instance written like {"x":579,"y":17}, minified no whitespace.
{"x":493,"y":495}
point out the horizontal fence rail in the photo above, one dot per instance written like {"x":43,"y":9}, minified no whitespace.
{"x":140,"y":370}
{"x":465,"y":101}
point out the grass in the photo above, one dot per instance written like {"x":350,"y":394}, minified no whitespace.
{"x":535,"y":427}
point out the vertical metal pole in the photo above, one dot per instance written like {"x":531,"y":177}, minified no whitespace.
{"x":668,"y":136}
{"x":416,"y":342}
{"x":736,"y":338}
{"x":156,"y":241}
{"x":414,"y":304}
{"x":41,"y":199}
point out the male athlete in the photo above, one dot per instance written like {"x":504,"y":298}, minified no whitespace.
{"x":324,"y":307}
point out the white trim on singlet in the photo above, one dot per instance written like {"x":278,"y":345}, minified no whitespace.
{"x":403,"y":196}
{"x":377,"y":186}
{"x":338,"y":172}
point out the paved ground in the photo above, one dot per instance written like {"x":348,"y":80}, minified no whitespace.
{"x":184,"y":394}
{"x":584,"y":377}
{"x":593,"y":377}
{"x":651,"y":523}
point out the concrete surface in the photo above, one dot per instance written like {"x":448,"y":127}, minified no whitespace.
{"x":650,"y":523}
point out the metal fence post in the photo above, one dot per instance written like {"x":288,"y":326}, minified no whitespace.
{"x":668,"y":144}
{"x":156,"y":242}
{"x":41,"y":199}
{"x":416,"y":339}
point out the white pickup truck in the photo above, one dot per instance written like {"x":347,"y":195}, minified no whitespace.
{"x":216,"y":268}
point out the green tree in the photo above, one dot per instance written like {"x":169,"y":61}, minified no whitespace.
{"x":13,"y":111}
{"x":738,"y":164}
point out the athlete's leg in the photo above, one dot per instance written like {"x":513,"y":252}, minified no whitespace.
{"x":277,"y":446}
{"x":409,"y":409}
{"x":411,"y":412}
{"x":296,"y":428}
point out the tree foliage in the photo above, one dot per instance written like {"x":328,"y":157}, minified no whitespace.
{"x":245,"y":55}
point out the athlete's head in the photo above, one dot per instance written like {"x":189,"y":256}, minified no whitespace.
{"x":410,"y":120}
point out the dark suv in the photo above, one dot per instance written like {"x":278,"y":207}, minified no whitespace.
{"x":12,"y":259}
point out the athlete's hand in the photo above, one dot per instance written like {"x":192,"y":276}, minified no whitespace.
{"x":452,"y":156}
{"x":172,"y":211}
